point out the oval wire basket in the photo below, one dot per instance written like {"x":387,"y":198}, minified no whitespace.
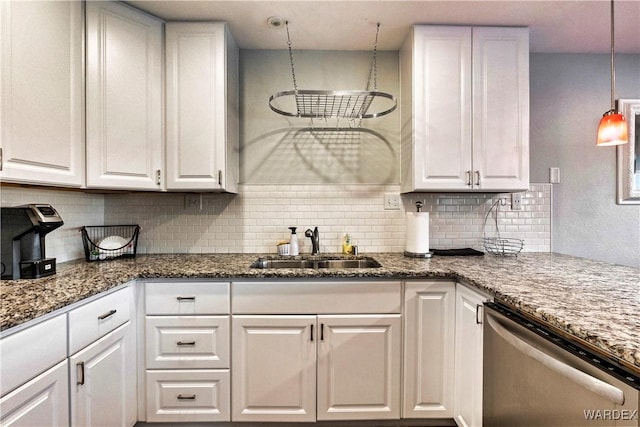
{"x":498,"y":245}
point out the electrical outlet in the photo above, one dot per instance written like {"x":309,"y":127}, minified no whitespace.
{"x":554,"y":175}
{"x":193,"y":202}
{"x":516,"y":201}
{"x":392,"y":201}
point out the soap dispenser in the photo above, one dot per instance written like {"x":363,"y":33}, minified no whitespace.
{"x":293,"y":242}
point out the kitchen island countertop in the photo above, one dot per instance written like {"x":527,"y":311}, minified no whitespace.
{"x":593,"y":302}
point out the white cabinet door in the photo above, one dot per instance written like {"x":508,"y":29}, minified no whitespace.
{"x":202,"y":94}
{"x":42,"y":86}
{"x":436,"y":74}
{"x":43,"y":401}
{"x":359,"y":367}
{"x":103,"y":381}
{"x":501,"y":108}
{"x":124,"y":97}
{"x":465,"y":109}
{"x":468,"y":358}
{"x":274,"y":368}
{"x":429,"y":349}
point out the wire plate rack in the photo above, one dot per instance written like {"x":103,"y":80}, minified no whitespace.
{"x":498,"y":245}
{"x":105,"y":242}
{"x":349,"y":104}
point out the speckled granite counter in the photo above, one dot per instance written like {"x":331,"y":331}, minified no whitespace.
{"x":595,"y":302}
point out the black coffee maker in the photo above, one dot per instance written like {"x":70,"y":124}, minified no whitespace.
{"x":22,"y":234}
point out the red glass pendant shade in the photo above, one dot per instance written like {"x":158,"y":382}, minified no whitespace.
{"x":612,"y":129}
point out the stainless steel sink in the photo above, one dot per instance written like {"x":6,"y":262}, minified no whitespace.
{"x":316,"y":263}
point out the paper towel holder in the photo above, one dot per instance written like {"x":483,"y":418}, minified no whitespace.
{"x":428,"y":254}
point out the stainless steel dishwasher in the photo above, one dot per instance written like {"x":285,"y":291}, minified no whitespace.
{"x":534,"y":377}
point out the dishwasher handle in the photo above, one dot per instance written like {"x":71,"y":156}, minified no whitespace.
{"x":587,"y":381}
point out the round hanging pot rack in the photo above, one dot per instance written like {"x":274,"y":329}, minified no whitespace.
{"x":324,"y":104}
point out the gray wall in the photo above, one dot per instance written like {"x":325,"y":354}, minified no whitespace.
{"x":569,"y":93}
{"x":277,"y":149}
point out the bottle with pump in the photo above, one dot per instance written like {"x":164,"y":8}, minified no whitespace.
{"x":346,"y":244}
{"x":293,"y":242}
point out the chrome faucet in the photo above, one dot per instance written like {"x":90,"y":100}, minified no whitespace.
{"x":315,"y":240}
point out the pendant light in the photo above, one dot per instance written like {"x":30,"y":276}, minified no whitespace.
{"x":613,"y":127}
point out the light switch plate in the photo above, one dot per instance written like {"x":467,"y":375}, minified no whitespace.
{"x":554,"y":175}
{"x":193,"y":202}
{"x":392,"y":201}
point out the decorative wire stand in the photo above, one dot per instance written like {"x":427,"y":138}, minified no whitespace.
{"x":95,"y":236}
{"x":340,"y":104}
{"x":498,"y":245}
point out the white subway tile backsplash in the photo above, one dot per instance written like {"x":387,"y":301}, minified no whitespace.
{"x":254,"y":220}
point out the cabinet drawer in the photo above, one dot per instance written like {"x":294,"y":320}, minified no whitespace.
{"x":188,"y":396}
{"x":32,"y":351}
{"x":187,"y":298}
{"x":97,"y":318}
{"x":326,"y":297}
{"x":187,"y":342}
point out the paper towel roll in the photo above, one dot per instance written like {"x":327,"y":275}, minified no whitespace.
{"x":417,"y":233}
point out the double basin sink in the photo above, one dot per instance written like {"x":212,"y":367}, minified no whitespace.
{"x":316,"y":263}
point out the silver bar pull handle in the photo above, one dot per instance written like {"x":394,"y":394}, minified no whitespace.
{"x":187,"y":397}
{"x":468,"y":173}
{"x":220,"y":178}
{"x":107,"y":314}
{"x":479,"y":314}
{"x":186,"y":299}
{"x":158,"y":176}
{"x":186,"y":343}
{"x":312,"y":332}
{"x":80,"y":367}
{"x":1,"y":159}
{"x":321,"y":331}
{"x":587,"y":381}
{"x":477,"y":177}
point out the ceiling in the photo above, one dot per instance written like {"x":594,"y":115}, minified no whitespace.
{"x":557,"y":26}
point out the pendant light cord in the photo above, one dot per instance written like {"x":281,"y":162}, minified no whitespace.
{"x":613,"y":67}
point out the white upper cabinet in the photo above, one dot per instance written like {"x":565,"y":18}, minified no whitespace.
{"x":42,"y":133}
{"x":124,"y":98}
{"x":202,"y":107}
{"x":465,"y":109}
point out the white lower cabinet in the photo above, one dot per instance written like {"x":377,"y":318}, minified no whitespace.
{"x":359,"y":367}
{"x":308,"y":367}
{"x":274,"y":368}
{"x":316,"y":350}
{"x":43,"y":401}
{"x":429,"y":349}
{"x":103,"y":381}
{"x":102,"y":363}
{"x":187,"y":351}
{"x":468,"y":358}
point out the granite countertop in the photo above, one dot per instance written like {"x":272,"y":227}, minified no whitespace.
{"x":593,"y":302}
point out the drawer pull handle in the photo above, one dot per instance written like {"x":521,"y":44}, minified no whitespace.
{"x":186,"y":299}
{"x":186,"y":343}
{"x":80,"y":365}
{"x":187,"y":397}
{"x":312,"y":332}
{"x":107,"y":314}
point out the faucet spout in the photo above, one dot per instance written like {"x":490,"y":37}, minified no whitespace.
{"x":315,"y":239}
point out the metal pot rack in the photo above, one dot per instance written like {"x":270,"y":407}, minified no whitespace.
{"x":324,"y":104}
